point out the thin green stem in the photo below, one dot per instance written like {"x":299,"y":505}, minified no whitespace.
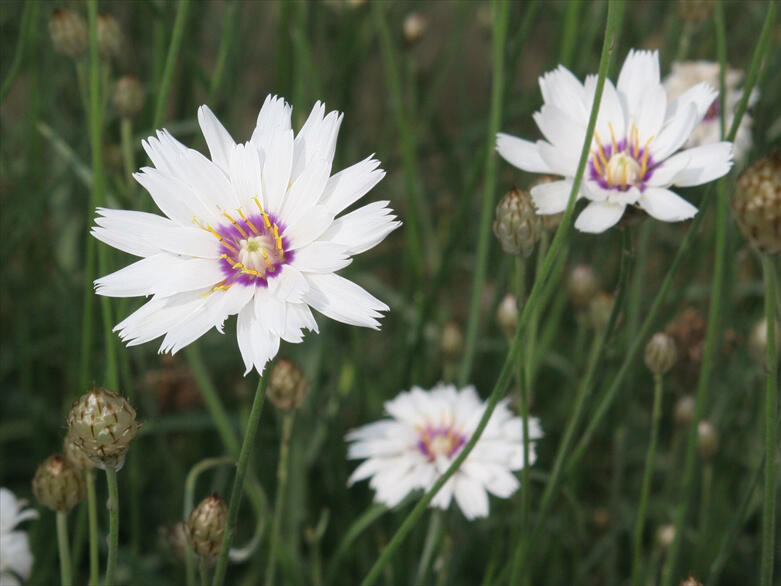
{"x":238,"y":483}
{"x":506,"y":371}
{"x":128,"y":154}
{"x":500,"y":18}
{"x":771,"y":422}
{"x":279,"y":501}
{"x":65,"y":550}
{"x":29,"y":18}
{"x":359,"y":526}
{"x":203,"y":571}
{"x":92,"y":511}
{"x":226,"y":42}
{"x":656,"y":417}
{"x":113,"y":525}
{"x":429,"y":546}
{"x":170,"y":61}
{"x":569,"y":32}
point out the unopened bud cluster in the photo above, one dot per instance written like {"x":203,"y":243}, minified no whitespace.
{"x":128,"y":96}
{"x":660,"y":353}
{"x":287,"y":387}
{"x":757,"y":204}
{"x":517,"y":225}
{"x":68,"y":31}
{"x":103,"y":424}
{"x":57,"y":484}
{"x":206,"y":526}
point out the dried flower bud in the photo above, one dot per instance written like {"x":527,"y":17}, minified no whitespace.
{"x":599,"y":310}
{"x":128,"y":96}
{"x":57,"y":484}
{"x":707,"y":440}
{"x":665,"y":535}
{"x":110,"y":39}
{"x":507,"y":315}
{"x":517,"y":225}
{"x":757,"y":204}
{"x":68,"y":31}
{"x":757,"y":343}
{"x":582,"y":285}
{"x":691,"y":581}
{"x":206,"y":526}
{"x":685,"y":410}
{"x":452,"y":341}
{"x":74,"y":454}
{"x":287,"y":387}
{"x":660,"y":353}
{"x":694,"y":10}
{"x":103,"y":424}
{"x":413,"y":27}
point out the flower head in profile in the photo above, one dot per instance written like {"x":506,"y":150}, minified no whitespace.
{"x":16,"y":559}
{"x":424,"y":434}
{"x":685,"y":75}
{"x":253,"y":232}
{"x":633,"y":158}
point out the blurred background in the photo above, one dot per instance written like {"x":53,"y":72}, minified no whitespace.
{"x":414,"y":82}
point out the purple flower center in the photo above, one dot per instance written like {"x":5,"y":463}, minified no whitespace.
{"x":623,"y":164}
{"x":252,"y":248}
{"x":441,"y":440}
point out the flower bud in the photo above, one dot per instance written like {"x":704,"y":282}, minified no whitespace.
{"x":287,"y":387}
{"x":685,"y":411}
{"x":74,"y":454}
{"x":507,"y":315}
{"x":128,"y":96}
{"x":110,"y":39}
{"x":413,"y":27}
{"x":694,"y":10}
{"x":57,"y":484}
{"x":68,"y":31}
{"x":206,"y":526}
{"x":660,"y":353}
{"x":691,"y":581}
{"x":757,"y":343}
{"x":707,"y":440}
{"x":582,"y":285}
{"x":665,"y":535}
{"x":757,"y":204}
{"x":517,"y":225}
{"x":103,"y":424}
{"x":599,"y":310}
{"x":452,"y":342}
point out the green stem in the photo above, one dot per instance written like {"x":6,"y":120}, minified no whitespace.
{"x":128,"y":156}
{"x":226,"y":41}
{"x":238,"y":483}
{"x":170,"y":61}
{"x":113,"y":525}
{"x":65,"y":552}
{"x":515,"y":347}
{"x":29,"y":18}
{"x":279,"y":501}
{"x":704,"y":531}
{"x":429,"y":546}
{"x":203,"y":571}
{"x":92,"y":510}
{"x":645,"y":490}
{"x":500,"y":18}
{"x":771,"y":422}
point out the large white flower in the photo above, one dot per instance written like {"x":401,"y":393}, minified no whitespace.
{"x":253,"y":232}
{"x":632,"y":160}
{"x":16,"y":559}
{"x":425,"y":433}
{"x":687,"y":74}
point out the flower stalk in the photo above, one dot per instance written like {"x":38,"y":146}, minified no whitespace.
{"x":64,"y":548}
{"x":92,"y":515}
{"x":113,"y":525}
{"x":279,"y":502}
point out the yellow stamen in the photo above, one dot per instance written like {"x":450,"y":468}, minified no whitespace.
{"x":646,"y":154}
{"x":235,"y":223}
{"x":635,"y":141}
{"x":601,"y":151}
{"x":221,"y":286}
{"x":623,"y":174}
{"x":596,"y":164}
{"x":246,"y":221}
{"x":613,"y":138}
{"x":264,"y":215}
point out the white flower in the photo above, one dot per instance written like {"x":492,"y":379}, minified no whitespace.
{"x":252,"y":232}
{"x":425,"y":433}
{"x":689,"y":73}
{"x":632,"y":160}
{"x":16,"y":559}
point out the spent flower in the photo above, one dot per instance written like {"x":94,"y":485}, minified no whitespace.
{"x":16,"y":558}
{"x":252,"y":232}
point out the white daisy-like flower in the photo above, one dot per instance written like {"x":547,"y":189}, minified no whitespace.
{"x":16,"y":559}
{"x":632,"y":160}
{"x":253,"y":231}
{"x":425,"y":433}
{"x":687,"y":74}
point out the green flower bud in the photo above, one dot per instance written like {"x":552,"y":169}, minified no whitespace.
{"x":452,"y":342}
{"x":582,"y":285}
{"x":206,"y":526}
{"x":128,"y":96}
{"x":517,"y":225}
{"x":599,"y":310}
{"x":68,"y":31}
{"x":57,"y":484}
{"x":757,"y":204}
{"x":507,"y":315}
{"x":287,"y":387}
{"x":103,"y":424}
{"x":685,"y":410}
{"x":660,"y":353}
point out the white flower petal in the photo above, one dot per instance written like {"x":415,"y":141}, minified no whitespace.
{"x":674,"y":134}
{"x":471,"y":497}
{"x":351,"y":184}
{"x":663,"y":175}
{"x":650,"y":114}
{"x":298,"y":318}
{"x":278,"y":159}
{"x":562,"y":89}
{"x":551,"y":198}
{"x":309,"y":227}
{"x":218,"y":139}
{"x":316,"y":139}
{"x":170,"y":196}
{"x":273,"y":118}
{"x":598,"y":216}
{"x":343,"y":300}
{"x":521,"y":153}
{"x":289,"y":286}
{"x":665,"y":205}
{"x":703,"y":164}
{"x":363,"y":228}
{"x":270,"y":310}
{"x":321,"y":257}
{"x":640,"y":70}
{"x":245,"y":174}
{"x":305,"y":192}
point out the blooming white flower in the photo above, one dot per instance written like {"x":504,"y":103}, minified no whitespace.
{"x":253,"y":232}
{"x":632,"y":160}
{"x":687,"y":74}
{"x":425,"y":433}
{"x":16,"y":559}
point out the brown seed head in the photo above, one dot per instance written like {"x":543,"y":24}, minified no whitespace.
{"x":68,"y":31}
{"x":507,"y":315}
{"x":74,"y":454}
{"x":287,"y":387}
{"x":707,"y":440}
{"x":110,"y":38}
{"x":582,"y":285}
{"x":757,"y":204}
